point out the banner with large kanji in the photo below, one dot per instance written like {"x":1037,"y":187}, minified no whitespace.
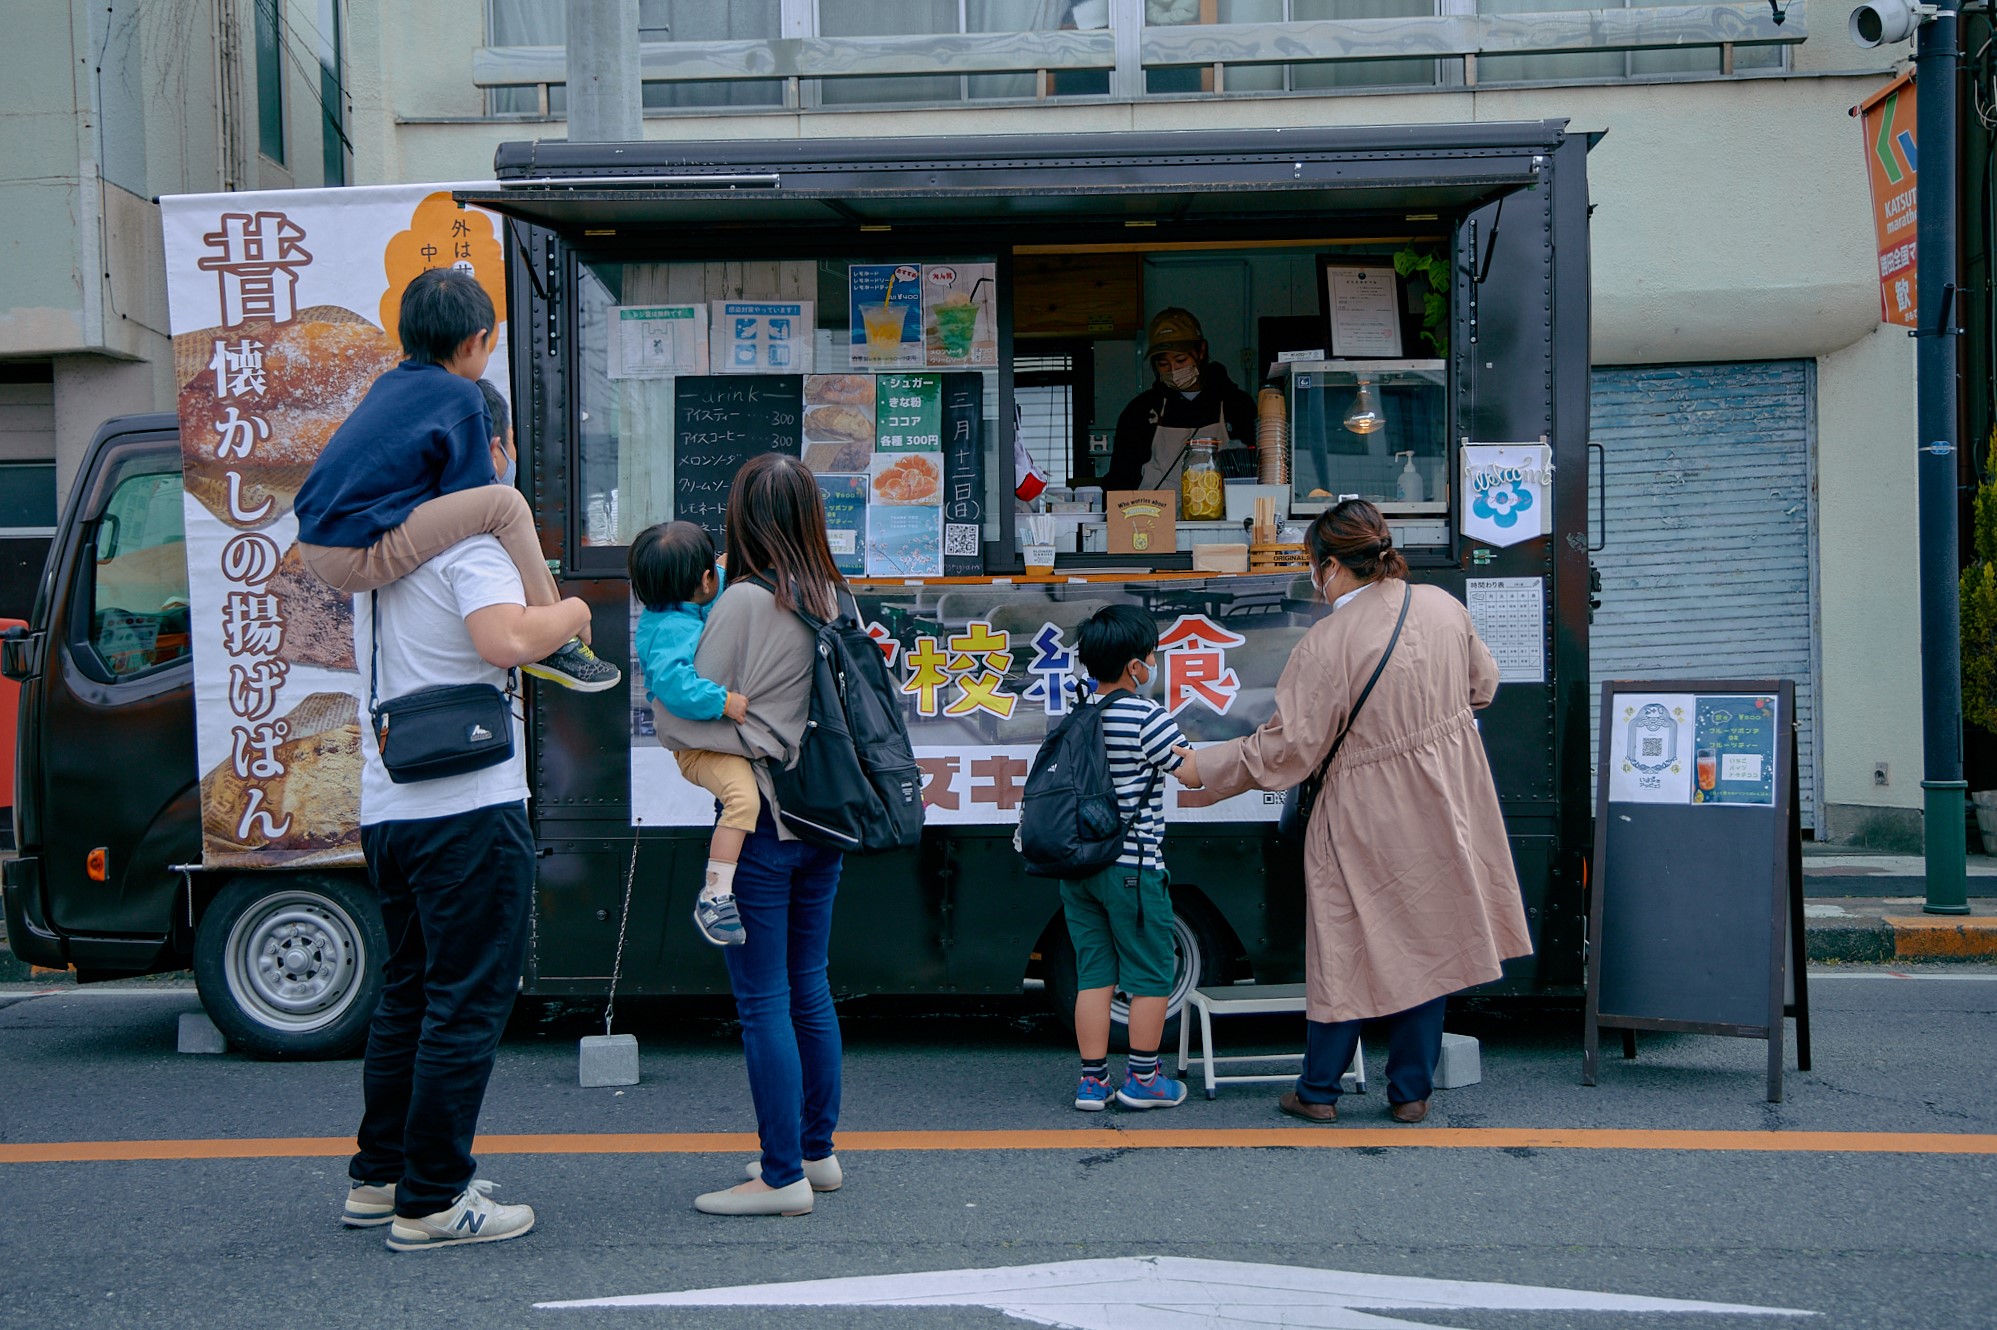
{"x":283,"y":311}
{"x":985,"y":671}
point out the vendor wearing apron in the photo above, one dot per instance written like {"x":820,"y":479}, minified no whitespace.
{"x":1192,"y":398}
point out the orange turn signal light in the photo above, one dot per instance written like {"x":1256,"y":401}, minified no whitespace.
{"x":97,"y":866}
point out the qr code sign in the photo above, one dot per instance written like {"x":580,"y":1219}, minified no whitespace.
{"x":961,"y":539}
{"x":1653,"y":746}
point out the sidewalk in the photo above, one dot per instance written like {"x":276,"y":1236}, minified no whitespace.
{"x":1866,"y":908}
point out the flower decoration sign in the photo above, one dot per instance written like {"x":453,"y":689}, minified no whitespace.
{"x":1507,"y":491}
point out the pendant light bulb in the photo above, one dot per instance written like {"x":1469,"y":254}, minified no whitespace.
{"x":1364,"y":417}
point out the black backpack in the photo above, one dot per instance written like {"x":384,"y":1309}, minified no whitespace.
{"x":855,"y":786}
{"x":1069,"y":823}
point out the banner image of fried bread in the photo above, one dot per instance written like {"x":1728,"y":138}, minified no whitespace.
{"x":838,"y":422}
{"x":313,"y":372}
{"x":318,"y":621}
{"x":316,"y":802}
{"x":839,"y":390}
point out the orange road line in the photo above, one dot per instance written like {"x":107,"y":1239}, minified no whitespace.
{"x":1327,"y":1138}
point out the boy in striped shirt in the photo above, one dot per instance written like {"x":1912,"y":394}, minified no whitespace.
{"x":1121,"y":919}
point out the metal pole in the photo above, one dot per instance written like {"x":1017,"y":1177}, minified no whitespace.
{"x":605,"y":102}
{"x":1943,"y":787}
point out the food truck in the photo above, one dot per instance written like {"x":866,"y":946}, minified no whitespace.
{"x":934,"y":326}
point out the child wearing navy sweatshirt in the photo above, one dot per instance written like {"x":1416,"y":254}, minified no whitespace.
{"x":409,"y":474}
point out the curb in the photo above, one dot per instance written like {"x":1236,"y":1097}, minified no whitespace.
{"x":1877,"y":940}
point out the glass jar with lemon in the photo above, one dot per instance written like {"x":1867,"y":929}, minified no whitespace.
{"x":1201,"y":498}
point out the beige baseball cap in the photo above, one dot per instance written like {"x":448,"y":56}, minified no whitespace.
{"x":1173,"y":330}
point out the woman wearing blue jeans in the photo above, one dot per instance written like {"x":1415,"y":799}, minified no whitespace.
{"x":755,"y":644}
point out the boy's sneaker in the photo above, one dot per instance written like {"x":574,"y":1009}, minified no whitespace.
{"x":369,"y":1205}
{"x":1161,"y":1091}
{"x":575,"y":666}
{"x":1092,"y":1094}
{"x":719,"y":921}
{"x":473,"y":1217}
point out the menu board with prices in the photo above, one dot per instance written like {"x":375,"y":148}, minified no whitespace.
{"x":1509,"y":614}
{"x":720,"y":422}
{"x":908,"y":412}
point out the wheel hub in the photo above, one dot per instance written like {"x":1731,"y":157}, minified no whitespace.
{"x":294,"y":959}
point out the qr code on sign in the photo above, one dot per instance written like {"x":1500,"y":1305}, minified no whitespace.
{"x":1653,"y":747}
{"x":960,"y":539}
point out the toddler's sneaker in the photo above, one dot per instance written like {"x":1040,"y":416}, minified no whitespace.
{"x":473,"y":1217}
{"x":1092,"y":1094}
{"x":719,"y":921}
{"x":575,"y":666}
{"x":1161,"y":1091}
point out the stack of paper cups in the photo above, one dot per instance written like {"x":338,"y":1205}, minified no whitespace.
{"x":1272,"y":438}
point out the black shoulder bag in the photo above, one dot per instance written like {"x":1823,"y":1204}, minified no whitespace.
{"x":1299,"y":803}
{"x":431,"y":733}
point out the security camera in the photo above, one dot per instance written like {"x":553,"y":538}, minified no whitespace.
{"x":1886,"y":22}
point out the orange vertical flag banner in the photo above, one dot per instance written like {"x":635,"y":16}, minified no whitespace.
{"x":1887,"y":117}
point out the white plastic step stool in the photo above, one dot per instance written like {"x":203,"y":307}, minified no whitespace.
{"x":1249,"y":1000}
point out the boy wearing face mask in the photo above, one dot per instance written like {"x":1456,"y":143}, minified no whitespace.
{"x":1191,"y":397}
{"x":1120,"y":920}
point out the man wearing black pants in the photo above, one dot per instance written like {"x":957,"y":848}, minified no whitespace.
{"x":453,"y":862}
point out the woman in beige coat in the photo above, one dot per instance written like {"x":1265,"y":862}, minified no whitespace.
{"x":1410,"y":893}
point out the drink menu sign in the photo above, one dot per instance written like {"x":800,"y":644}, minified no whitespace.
{"x":1682,"y":748}
{"x":283,"y":309}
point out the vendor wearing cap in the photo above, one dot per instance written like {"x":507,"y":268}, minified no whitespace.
{"x":1193,"y":397}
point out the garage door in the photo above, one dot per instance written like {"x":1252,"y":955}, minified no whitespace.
{"x":1706,"y":566}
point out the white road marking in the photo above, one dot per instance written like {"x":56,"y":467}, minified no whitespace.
{"x":1147,"y":1292}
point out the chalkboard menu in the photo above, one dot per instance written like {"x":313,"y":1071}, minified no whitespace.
{"x":963,"y":474}
{"x":720,"y":422}
{"x":1696,"y":914}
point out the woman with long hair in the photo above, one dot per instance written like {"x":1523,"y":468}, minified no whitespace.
{"x":1409,"y":889}
{"x":755,"y":644}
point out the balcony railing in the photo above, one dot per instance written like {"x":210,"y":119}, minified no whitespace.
{"x":1455,"y":41}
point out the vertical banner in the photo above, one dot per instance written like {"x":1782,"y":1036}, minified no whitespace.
{"x":1887,"y":117}
{"x":283,"y":310}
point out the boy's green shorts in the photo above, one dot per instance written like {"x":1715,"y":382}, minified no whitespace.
{"x":1121,"y":924}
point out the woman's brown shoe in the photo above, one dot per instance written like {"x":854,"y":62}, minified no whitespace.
{"x":1412,"y":1111}
{"x":1303,"y":1108}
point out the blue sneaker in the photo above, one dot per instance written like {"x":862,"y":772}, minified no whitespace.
{"x":1161,"y":1091}
{"x":1092,"y":1094}
{"x":719,"y":921}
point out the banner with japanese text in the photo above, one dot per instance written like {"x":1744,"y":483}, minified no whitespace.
{"x":986,"y":670}
{"x":1891,"y":159}
{"x":283,"y":312}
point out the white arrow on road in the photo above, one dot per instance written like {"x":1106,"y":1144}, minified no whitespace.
{"x":1175,"y":1293}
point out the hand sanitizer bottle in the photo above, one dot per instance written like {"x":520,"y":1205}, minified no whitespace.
{"x":1408,"y":489}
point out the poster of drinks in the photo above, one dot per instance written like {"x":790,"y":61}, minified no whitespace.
{"x":957,"y":323}
{"x":910,"y":315}
{"x":886,"y":306}
{"x":1681,"y":748}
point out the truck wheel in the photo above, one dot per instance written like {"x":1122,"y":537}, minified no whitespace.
{"x":290,"y":967}
{"x":1200,"y":960}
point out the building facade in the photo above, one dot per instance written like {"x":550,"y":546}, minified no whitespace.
{"x":1755,"y":416}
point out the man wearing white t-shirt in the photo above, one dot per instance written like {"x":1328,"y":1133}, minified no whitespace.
{"x":453,"y":862}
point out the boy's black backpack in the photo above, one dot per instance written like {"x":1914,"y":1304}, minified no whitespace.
{"x":1069,"y":822}
{"x":855,"y":786}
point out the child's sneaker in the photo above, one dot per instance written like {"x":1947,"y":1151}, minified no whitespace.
{"x":576,"y":666}
{"x":1092,"y":1094}
{"x":473,"y":1217}
{"x":719,"y":921}
{"x":1161,"y":1091}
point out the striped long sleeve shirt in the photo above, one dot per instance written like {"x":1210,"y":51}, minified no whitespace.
{"x":1139,"y":737}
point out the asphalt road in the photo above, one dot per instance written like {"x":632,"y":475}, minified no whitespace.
{"x":1873,"y":1237}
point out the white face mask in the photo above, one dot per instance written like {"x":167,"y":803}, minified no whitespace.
{"x":1185,"y":378}
{"x":1148,"y":685}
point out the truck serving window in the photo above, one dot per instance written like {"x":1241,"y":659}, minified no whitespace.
{"x":136,"y":582}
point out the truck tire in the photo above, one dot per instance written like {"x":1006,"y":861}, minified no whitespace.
{"x":290,"y":966}
{"x":1200,"y":961}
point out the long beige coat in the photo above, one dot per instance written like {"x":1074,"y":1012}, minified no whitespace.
{"x":1409,"y":887}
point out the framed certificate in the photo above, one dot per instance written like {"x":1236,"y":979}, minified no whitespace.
{"x":1362,"y":309}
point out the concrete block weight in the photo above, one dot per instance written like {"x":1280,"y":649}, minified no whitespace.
{"x":199,"y":1035}
{"x":1461,"y":1063}
{"x":608,"y":1059}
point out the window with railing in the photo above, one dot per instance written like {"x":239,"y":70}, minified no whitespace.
{"x":840,"y":54}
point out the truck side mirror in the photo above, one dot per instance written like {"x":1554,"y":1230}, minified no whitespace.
{"x":17,"y":654}
{"x":108,"y":527}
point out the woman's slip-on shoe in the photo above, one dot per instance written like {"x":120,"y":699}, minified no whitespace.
{"x":823,"y":1174}
{"x":792,"y":1200}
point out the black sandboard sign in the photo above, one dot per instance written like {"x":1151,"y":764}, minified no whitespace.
{"x":719,"y":422}
{"x":963,"y":474}
{"x":1695,"y":919}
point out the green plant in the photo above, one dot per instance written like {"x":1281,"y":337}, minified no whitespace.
{"x":1979,"y":605}
{"x":1433,"y":269}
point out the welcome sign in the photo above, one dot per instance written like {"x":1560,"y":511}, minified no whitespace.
{"x":1507,"y":492}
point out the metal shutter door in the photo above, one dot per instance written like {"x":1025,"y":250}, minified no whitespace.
{"x":1707,"y":559}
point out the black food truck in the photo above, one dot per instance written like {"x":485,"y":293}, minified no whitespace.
{"x":936,"y":326}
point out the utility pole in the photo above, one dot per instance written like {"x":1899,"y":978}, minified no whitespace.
{"x":1943,"y":786}
{"x":605,"y":102}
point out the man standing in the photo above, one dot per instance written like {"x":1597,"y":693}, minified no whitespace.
{"x":453,"y":862}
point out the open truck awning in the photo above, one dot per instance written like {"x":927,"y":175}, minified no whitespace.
{"x":1428,"y":169}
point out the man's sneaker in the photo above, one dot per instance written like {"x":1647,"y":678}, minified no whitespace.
{"x":719,"y":921}
{"x":576,"y":666}
{"x":372,"y":1204}
{"x":473,"y":1217}
{"x":1092,"y":1094}
{"x":1161,"y":1091}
